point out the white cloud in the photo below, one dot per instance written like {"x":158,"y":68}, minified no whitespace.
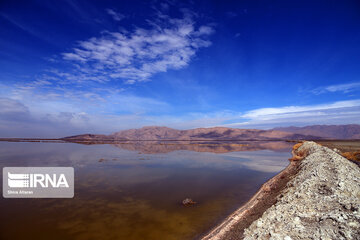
{"x":283,"y":112}
{"x":169,"y":43}
{"x":97,"y":99}
{"x":116,"y":16}
{"x":345,"y":88}
{"x":341,"y":112}
{"x":41,"y":115}
{"x":9,"y":106}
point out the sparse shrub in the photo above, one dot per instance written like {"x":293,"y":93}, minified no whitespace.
{"x":298,"y":154}
{"x":355,"y":156}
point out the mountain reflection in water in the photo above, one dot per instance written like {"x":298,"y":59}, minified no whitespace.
{"x":151,"y":147}
{"x":133,"y":190}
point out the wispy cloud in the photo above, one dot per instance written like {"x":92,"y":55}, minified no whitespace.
{"x":20,"y":23}
{"x":30,"y":112}
{"x":281,"y":112}
{"x":115,"y":15}
{"x":10,"y":106}
{"x":341,"y":112}
{"x":97,"y":99}
{"x":168,"y":43}
{"x":344,"y":88}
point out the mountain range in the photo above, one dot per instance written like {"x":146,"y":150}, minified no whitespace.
{"x":351,"y":131}
{"x":314,"y":132}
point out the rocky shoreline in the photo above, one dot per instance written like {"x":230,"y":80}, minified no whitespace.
{"x":317,"y":197}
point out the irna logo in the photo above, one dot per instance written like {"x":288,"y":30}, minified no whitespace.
{"x":36,"y":180}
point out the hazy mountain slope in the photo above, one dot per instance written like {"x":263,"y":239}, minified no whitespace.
{"x":215,"y":133}
{"x":148,"y":133}
{"x":164,"y":133}
{"x":351,"y":131}
{"x":222,"y":133}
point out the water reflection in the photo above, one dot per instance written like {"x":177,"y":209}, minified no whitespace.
{"x":135,"y":191}
{"x":151,"y":147}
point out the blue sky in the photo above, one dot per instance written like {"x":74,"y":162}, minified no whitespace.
{"x":70,"y":67}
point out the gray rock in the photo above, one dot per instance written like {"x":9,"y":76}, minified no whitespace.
{"x":188,"y":202}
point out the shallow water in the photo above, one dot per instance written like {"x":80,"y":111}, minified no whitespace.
{"x":134,"y":190}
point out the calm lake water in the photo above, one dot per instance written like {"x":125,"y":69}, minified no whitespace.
{"x":134,"y":190}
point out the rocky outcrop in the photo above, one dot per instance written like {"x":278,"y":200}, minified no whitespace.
{"x":321,"y":201}
{"x":188,"y":202}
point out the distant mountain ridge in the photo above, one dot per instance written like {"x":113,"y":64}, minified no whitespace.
{"x":350,"y":131}
{"x":216,"y":133}
{"x":314,"y":132}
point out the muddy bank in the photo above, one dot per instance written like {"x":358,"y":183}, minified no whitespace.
{"x":318,"y":199}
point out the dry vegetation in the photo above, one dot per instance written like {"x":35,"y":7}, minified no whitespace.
{"x":348,"y":149}
{"x":298,"y":154}
{"x":354,"y":156}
